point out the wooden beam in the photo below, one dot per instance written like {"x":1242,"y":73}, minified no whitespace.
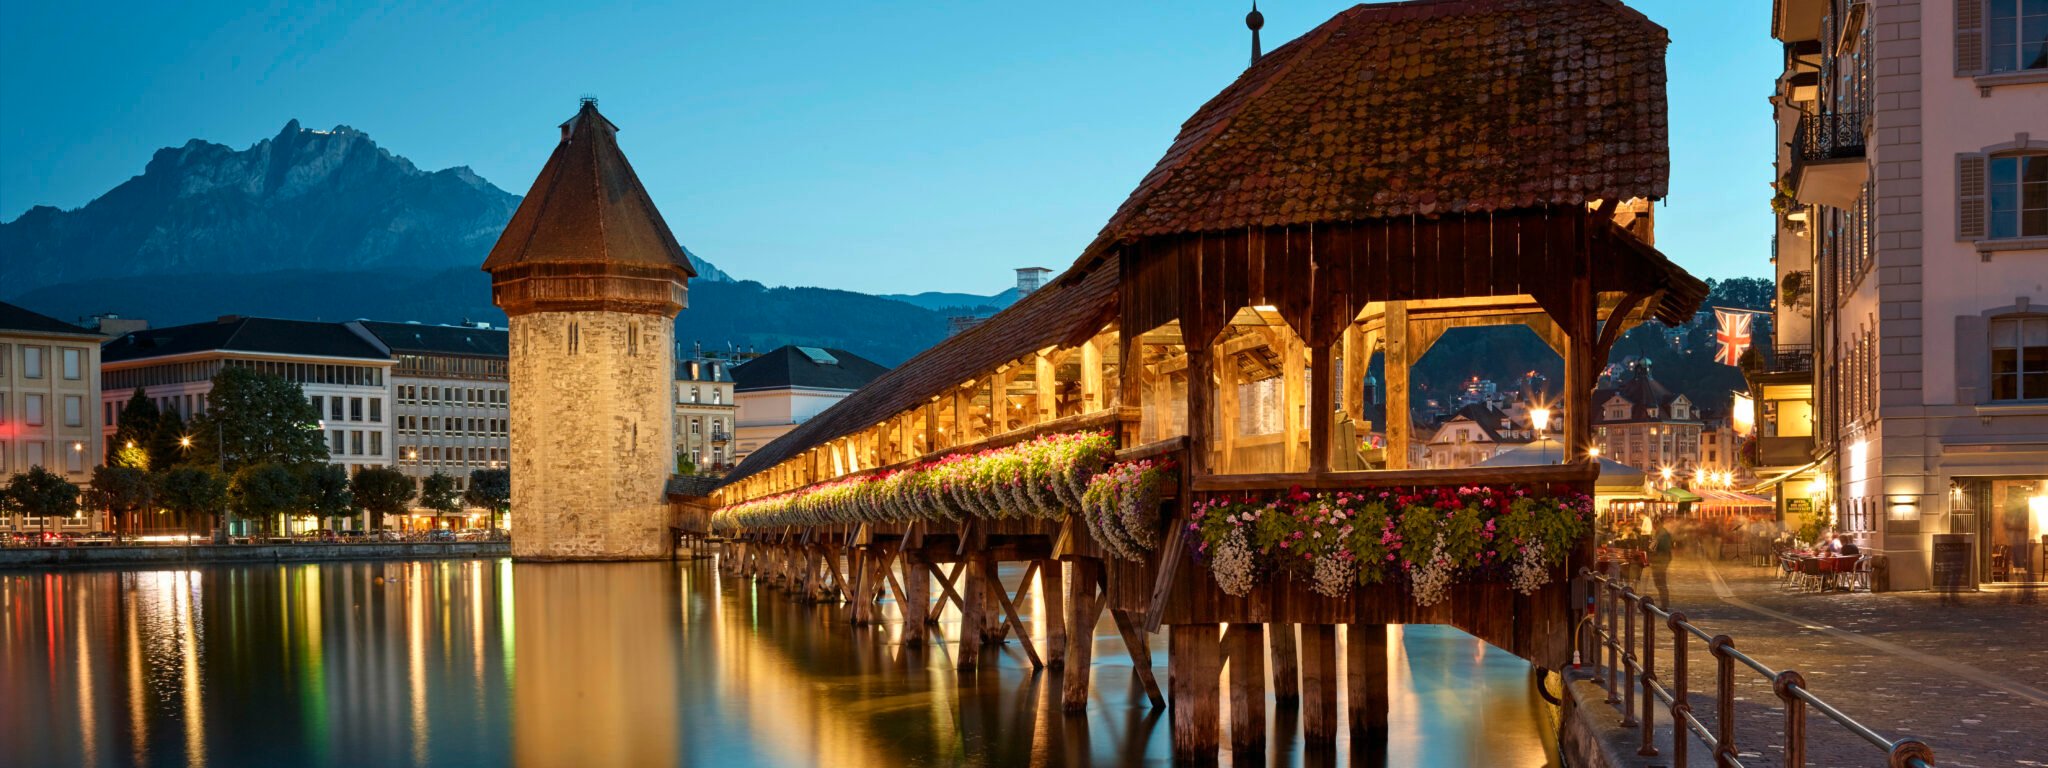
{"x":1397,"y":361}
{"x":1141,"y":654}
{"x":1170,"y":554}
{"x":1010,"y":615}
{"x":1322,"y":408}
{"x":1388,"y":478}
{"x":972,"y":615}
{"x":1195,"y":676}
{"x":946,"y":582}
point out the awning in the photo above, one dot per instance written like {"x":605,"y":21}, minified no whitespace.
{"x":1726,"y":498}
{"x":1788,"y":474}
{"x":1680,"y":494}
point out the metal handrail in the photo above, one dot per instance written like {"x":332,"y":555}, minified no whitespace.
{"x":1619,"y":604}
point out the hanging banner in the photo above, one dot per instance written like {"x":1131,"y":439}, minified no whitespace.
{"x":1733,"y":336}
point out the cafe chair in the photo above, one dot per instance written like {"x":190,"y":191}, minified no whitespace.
{"x":1859,"y":577}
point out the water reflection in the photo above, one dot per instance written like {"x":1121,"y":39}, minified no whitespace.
{"x":446,"y":662}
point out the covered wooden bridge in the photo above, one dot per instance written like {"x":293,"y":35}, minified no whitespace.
{"x":1179,"y":429}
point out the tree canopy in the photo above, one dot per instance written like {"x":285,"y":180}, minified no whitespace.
{"x":42,"y":493}
{"x":324,"y":490}
{"x":382,"y":491}
{"x":130,"y":445}
{"x":265,"y":489}
{"x":438,"y":493}
{"x":121,"y":491}
{"x":191,"y":492}
{"x":490,"y":489}
{"x":256,"y":418}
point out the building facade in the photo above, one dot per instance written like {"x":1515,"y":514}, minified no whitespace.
{"x":1913,"y":249}
{"x":49,"y":396}
{"x":592,"y":280}
{"x":1475,"y":433}
{"x":705,"y":414}
{"x":451,"y":398}
{"x":789,"y":385}
{"x":346,"y":376}
{"x":1641,"y":424}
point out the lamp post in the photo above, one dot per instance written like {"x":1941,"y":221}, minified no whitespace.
{"x":1539,"y":417}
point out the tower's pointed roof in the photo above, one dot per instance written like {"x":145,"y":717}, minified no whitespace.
{"x":587,"y":207}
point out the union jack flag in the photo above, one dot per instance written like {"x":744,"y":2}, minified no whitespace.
{"x":1734,"y":336}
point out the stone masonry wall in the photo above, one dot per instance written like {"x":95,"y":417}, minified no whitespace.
{"x":592,"y":440}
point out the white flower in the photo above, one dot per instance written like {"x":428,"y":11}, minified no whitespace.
{"x":1430,"y":580}
{"x":1231,"y":563}
{"x":1529,"y":572}
{"x":1334,"y":576}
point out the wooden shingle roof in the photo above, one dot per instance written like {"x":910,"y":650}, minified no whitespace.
{"x":587,"y":207}
{"x":1421,"y":107}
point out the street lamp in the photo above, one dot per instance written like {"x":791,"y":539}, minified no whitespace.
{"x":1539,"y":417}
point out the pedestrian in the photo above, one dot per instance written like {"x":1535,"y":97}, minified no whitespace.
{"x":1661,"y":546}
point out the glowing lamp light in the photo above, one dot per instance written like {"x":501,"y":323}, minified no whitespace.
{"x":1540,"y":418}
{"x":1593,"y":452}
{"x":1742,"y":416}
{"x":185,"y":442}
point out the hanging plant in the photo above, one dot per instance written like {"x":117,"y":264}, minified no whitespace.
{"x":1121,"y":505}
{"x":1795,"y":290}
{"x":1429,"y":537}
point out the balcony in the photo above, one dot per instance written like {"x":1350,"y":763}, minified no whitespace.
{"x":1779,"y":361}
{"x":1828,"y":165}
{"x":721,"y":436}
{"x":1784,"y":451}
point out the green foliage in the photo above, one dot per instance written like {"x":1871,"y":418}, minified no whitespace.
{"x":137,"y":424}
{"x":192,"y":492}
{"x":489,"y":489}
{"x":438,"y":493}
{"x":121,"y":491}
{"x":324,"y":491}
{"x":683,"y":465}
{"x":42,"y":493}
{"x":382,"y":491}
{"x":163,"y":447}
{"x":265,"y":489}
{"x":256,"y":418}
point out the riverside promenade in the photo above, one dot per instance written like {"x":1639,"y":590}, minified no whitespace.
{"x":26,"y":558}
{"x":1969,"y":678}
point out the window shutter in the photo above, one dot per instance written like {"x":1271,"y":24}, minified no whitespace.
{"x":1973,"y":360}
{"x":1969,"y":37}
{"x":1970,"y":190}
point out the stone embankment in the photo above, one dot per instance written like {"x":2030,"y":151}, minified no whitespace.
{"x":203,"y":554}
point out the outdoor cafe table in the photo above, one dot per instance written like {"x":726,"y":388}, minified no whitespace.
{"x":1823,"y":568}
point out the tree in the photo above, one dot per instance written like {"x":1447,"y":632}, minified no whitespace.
{"x":265,"y":489}
{"x":192,"y":492}
{"x":42,"y":493}
{"x":438,"y":493}
{"x":382,"y":491}
{"x":325,"y":492}
{"x":165,"y":444}
{"x":137,"y":425}
{"x":122,"y":492}
{"x":254,"y":418}
{"x":490,"y":489}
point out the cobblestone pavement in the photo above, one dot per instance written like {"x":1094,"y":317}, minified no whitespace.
{"x":1969,"y":679}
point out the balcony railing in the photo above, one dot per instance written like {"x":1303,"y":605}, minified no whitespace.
{"x":1821,"y":137}
{"x":1791,"y":358}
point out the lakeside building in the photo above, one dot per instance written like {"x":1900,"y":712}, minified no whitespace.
{"x":451,"y":400}
{"x":788,"y":385}
{"x":1906,"y":395}
{"x":1474,"y":433}
{"x":346,"y":376}
{"x":49,"y":381}
{"x":705,"y":413}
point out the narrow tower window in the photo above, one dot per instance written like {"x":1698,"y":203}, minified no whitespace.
{"x":574,"y":337}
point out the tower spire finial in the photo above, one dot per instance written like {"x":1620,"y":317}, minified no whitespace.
{"x":1255,"y":21}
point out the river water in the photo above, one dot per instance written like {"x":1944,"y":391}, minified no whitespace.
{"x":484,"y":662}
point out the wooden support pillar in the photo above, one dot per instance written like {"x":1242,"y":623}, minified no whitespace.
{"x":1246,"y":644}
{"x":1322,"y":409}
{"x":1201,"y":387}
{"x":973,"y":609}
{"x":992,"y":629}
{"x":1319,"y":683}
{"x":1286,"y":668}
{"x":1193,"y":660}
{"x":1397,"y":362}
{"x":1580,"y":374}
{"x":1091,"y":378}
{"x":1365,"y":671}
{"x":1084,"y":611}
{"x":1052,"y":593}
{"x":917,"y":600}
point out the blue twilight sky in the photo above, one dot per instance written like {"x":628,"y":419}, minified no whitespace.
{"x":874,"y":146}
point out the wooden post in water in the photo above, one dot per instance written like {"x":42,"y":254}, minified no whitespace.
{"x":1365,"y":670}
{"x":1052,"y":592}
{"x":1246,"y":644}
{"x":1319,"y":684}
{"x":917,"y":600}
{"x":1084,"y":611}
{"x":973,"y":609}
{"x":1192,"y":659}
{"x":1286,"y":668}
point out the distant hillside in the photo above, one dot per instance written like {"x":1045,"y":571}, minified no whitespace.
{"x":302,"y":200}
{"x":958,"y":303}
{"x":741,"y":314}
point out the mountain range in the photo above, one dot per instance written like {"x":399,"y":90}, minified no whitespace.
{"x":314,"y":224}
